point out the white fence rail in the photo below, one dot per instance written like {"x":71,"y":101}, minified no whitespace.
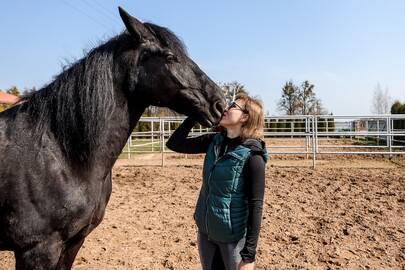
{"x":307,"y":135}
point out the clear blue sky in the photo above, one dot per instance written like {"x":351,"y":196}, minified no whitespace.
{"x":344,"y":47}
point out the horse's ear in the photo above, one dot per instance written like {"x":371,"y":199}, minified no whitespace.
{"x":134,"y":27}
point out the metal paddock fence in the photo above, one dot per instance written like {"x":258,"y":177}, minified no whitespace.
{"x":307,"y":135}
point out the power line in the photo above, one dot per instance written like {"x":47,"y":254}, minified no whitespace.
{"x":101,"y":11}
{"x":85,"y":14}
{"x":113,"y":15}
{"x":102,"y":6}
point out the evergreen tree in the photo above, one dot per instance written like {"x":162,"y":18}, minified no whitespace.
{"x":399,"y":125}
{"x":14,"y":91}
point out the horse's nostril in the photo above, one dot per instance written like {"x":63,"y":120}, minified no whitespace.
{"x":219,"y":107}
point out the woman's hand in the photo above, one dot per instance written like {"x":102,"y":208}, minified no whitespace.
{"x":246,"y":266}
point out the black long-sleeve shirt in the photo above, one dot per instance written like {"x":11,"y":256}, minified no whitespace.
{"x":253,"y":173}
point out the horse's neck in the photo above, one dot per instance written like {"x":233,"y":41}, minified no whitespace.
{"x":118,"y":129}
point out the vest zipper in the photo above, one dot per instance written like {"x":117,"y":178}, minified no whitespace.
{"x":208,"y":185}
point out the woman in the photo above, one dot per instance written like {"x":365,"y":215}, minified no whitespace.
{"x":229,"y":208}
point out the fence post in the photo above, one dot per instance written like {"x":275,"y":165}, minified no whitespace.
{"x":352,"y":130}
{"x":306,"y":137}
{"x":313,"y":142}
{"x":389,"y":120}
{"x":152,"y":127}
{"x":161,"y":121}
{"x":292,"y":128}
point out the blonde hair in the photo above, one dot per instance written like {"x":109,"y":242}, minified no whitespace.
{"x":253,"y":127}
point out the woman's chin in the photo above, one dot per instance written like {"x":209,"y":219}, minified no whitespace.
{"x":225,"y":126}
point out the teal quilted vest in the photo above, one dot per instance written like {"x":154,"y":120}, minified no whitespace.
{"x":222,"y":208}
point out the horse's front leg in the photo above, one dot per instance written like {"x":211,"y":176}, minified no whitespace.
{"x":74,"y":244}
{"x":69,"y":253}
{"x":42,"y":256}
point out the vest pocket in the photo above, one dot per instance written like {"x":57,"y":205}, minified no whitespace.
{"x":219,"y":223}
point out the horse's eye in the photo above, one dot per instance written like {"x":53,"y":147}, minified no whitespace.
{"x":145,"y":55}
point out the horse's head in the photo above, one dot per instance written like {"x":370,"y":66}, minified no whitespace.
{"x":158,"y":67}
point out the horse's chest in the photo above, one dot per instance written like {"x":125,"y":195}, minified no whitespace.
{"x":87,"y":209}
{"x":103,"y":199}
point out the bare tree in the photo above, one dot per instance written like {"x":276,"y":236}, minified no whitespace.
{"x":231,"y":89}
{"x":382,"y":101}
{"x":318,"y":109}
{"x":308,"y":101}
{"x":300,"y":100}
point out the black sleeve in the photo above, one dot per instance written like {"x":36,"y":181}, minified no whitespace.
{"x":179,"y":142}
{"x":255,"y":183}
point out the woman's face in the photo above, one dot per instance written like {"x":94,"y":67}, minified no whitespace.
{"x":234,"y":115}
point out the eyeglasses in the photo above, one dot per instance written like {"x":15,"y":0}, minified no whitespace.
{"x":235,"y":105}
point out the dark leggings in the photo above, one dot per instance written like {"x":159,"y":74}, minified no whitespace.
{"x":217,"y":255}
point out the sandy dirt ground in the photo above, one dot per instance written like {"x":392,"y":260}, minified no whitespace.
{"x":346,"y":214}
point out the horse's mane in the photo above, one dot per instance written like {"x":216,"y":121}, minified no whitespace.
{"x":168,"y":38}
{"x":75,"y":106}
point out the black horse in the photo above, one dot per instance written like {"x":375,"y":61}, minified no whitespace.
{"x":59,"y":145}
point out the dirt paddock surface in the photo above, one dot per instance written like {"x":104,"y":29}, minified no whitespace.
{"x":345,"y":214}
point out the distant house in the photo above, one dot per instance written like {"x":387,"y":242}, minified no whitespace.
{"x":6,"y":98}
{"x":369,"y":125}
